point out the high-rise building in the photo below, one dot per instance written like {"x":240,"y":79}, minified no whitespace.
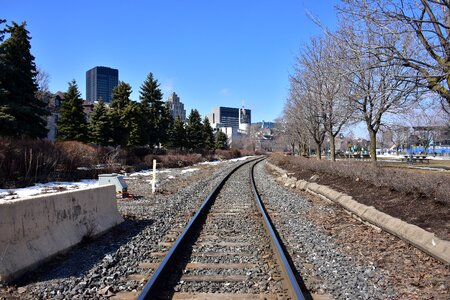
{"x":231,"y":121}
{"x":176,"y":107}
{"x":230,"y":117}
{"x":100,"y":82}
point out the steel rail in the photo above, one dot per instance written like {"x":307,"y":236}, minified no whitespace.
{"x":290,"y":279}
{"x":152,"y":288}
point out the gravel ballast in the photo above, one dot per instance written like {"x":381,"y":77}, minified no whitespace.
{"x":330,"y":271}
{"x":100,"y":268}
{"x":339,"y":255}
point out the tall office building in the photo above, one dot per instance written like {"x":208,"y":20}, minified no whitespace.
{"x":230,"y":117}
{"x":176,"y":107}
{"x":100,"y":82}
{"x":231,"y":121}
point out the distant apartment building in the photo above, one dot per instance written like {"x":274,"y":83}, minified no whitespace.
{"x":176,"y":107}
{"x":231,"y":121}
{"x":100,"y":82}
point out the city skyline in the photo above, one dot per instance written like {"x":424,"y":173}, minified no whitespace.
{"x":211,"y":54}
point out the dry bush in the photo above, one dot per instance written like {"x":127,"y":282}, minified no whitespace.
{"x":434,"y":185}
{"x":76,"y":155}
{"x":227,"y":154}
{"x":174,"y":160}
{"x":23,"y":161}
{"x":245,"y":152}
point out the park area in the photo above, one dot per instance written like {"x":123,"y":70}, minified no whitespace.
{"x":415,"y":193}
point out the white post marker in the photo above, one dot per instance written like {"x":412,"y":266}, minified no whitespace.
{"x":154,"y":176}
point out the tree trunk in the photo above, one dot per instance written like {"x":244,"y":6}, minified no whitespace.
{"x":293,"y":148}
{"x":333,"y":148}
{"x":373,"y":145}
{"x":302,"y":148}
{"x":319,"y":151}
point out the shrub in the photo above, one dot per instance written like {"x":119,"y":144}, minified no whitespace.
{"x":227,"y":154}
{"x":23,"y":161}
{"x":174,"y":160}
{"x":76,"y":154}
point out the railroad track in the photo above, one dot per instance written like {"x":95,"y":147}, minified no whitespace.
{"x":228,"y":250}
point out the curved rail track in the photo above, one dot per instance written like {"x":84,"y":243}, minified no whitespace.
{"x":228,"y":250}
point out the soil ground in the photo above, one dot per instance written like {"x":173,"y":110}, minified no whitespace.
{"x":420,"y":210}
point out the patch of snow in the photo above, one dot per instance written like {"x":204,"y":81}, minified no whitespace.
{"x":45,"y":188}
{"x":400,"y":156}
{"x":430,"y":169}
{"x":241,"y":158}
{"x":189,"y":170}
{"x":216,"y":162}
{"x":147,"y":172}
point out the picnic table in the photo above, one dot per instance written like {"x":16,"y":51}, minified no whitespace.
{"x":415,"y":158}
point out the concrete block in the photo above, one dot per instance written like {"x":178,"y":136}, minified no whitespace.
{"x":37,"y":228}
{"x":416,"y":236}
{"x":301,"y":184}
{"x":313,"y":187}
{"x":329,"y":193}
{"x":353,"y":206}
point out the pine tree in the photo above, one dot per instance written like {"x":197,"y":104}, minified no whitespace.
{"x":178,"y":135}
{"x":166,"y":122}
{"x":120,"y":104}
{"x":99,"y":125}
{"x":194,"y":132}
{"x":134,"y":125}
{"x":221,"y":140}
{"x":208,"y":135}
{"x":21,"y":113}
{"x":152,"y":109}
{"x":72,"y":125}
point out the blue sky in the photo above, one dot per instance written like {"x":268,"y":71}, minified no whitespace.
{"x":211,"y":53}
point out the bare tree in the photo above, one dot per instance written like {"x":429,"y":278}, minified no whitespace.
{"x":379,"y":89}
{"x":42,"y":80}
{"x":281,"y":135}
{"x":399,"y":136}
{"x":305,"y":106}
{"x":325,"y":64}
{"x":419,"y":31}
{"x":295,"y":129}
{"x":427,"y":121}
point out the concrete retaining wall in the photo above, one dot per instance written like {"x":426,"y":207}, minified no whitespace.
{"x":34,"y":229}
{"x":416,"y":236}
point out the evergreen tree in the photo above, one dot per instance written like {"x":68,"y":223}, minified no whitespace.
{"x":152,"y":110}
{"x":99,"y":125}
{"x":221,"y":140}
{"x":178,"y":135}
{"x":120,"y":104}
{"x":21,"y":113}
{"x":208,"y":135}
{"x":72,"y":125}
{"x":194,"y":131}
{"x":166,"y":122}
{"x":134,"y":125}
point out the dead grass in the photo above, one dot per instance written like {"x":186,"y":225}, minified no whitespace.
{"x":409,"y":181}
{"x":415,"y":196}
